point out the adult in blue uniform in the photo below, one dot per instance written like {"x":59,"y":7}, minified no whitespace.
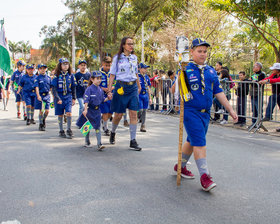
{"x":27,"y":85}
{"x":82,"y":78}
{"x":64,"y":91}
{"x":203,"y":83}
{"x":93,"y":97}
{"x":145,"y":95}
{"x":105,"y":106}
{"x":15,"y":79}
{"x":124,"y":69}
{"x":43,"y":99}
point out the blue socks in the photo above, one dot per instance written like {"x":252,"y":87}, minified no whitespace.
{"x":202,"y":166}
{"x":185,"y":159}
{"x":132,"y":129}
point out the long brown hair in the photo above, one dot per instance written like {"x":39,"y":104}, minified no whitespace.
{"x":123,"y":42}
{"x":58,"y":69}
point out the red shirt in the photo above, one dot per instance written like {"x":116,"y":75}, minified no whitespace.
{"x":153,"y":82}
{"x":273,"y":80}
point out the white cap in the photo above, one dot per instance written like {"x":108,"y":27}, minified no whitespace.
{"x":275,"y":66}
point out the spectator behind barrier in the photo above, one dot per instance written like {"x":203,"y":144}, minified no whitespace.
{"x":242,"y":91}
{"x":256,"y":92}
{"x":275,"y":97}
{"x":155,"y":90}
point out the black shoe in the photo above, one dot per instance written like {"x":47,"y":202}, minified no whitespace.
{"x":40,"y":127}
{"x":69,"y":133}
{"x":62,"y":134}
{"x":100,"y":147}
{"x":28,"y":122}
{"x":25,"y":117}
{"x":32,"y":121}
{"x":107,"y":132}
{"x":134,"y":146}
{"x":278,"y":130}
{"x":125,"y":123}
{"x":44,"y":122}
{"x":266,"y":119}
{"x":112,"y":138}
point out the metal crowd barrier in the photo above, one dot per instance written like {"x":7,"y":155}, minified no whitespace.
{"x":249,"y":99}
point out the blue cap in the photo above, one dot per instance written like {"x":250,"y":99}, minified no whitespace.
{"x":199,"y":42}
{"x":142,"y":65}
{"x":96,"y":74}
{"x":82,"y":61}
{"x":63,"y":60}
{"x":20,"y":62}
{"x":41,"y":66}
{"x":29,"y":66}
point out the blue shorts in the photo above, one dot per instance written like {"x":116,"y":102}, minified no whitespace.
{"x":143,"y":101}
{"x":46,"y":99}
{"x":196,"y":125}
{"x":105,"y":107}
{"x":19,"y":97}
{"x":129,"y":100}
{"x":29,"y":98}
{"x":66,"y":105}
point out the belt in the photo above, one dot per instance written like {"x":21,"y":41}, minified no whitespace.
{"x":203,"y":110}
{"x":33,"y":91}
{"x":44,"y":94}
{"x":93,"y":107}
{"x":126,"y":83}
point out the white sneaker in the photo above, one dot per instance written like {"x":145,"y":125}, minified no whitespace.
{"x":221,"y":111}
{"x":223,"y":122}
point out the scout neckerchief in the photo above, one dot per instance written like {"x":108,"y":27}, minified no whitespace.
{"x":145,"y":81}
{"x":201,"y":70}
{"x":64,"y":83}
{"x":130,"y":63}
{"x":106,"y":74}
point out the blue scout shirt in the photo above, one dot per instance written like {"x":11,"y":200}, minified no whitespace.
{"x":212,"y":86}
{"x":16,"y":77}
{"x":125,"y":68}
{"x":82,"y":82}
{"x":28,"y":83}
{"x":43,"y":82}
{"x":57,"y":82}
{"x":94,"y":96}
{"x":145,"y":83}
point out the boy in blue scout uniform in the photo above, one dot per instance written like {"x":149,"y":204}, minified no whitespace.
{"x":15,"y":79}
{"x":43,"y":99}
{"x":93,"y":97}
{"x":125,"y":70}
{"x":105,"y":106}
{"x":145,"y":94}
{"x":82,"y":78}
{"x":27,"y":85}
{"x":203,"y":83}
{"x":64,"y":91}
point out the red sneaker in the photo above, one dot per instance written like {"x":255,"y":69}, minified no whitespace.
{"x":184,"y":172}
{"x":206,"y":182}
{"x":18,"y":115}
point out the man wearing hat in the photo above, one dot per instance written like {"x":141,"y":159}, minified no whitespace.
{"x":43,"y":99}
{"x":15,"y":79}
{"x":27,"y":85}
{"x":82,"y":78}
{"x":144,"y":95}
{"x":275,"y":97}
{"x":203,"y":84}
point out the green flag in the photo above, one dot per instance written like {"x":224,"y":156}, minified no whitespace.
{"x":86,"y":128}
{"x":5,"y":60}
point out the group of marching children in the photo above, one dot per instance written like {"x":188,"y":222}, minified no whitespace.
{"x":33,"y":91}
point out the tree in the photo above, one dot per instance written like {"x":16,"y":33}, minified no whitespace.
{"x":14,"y":48}
{"x":256,"y":14}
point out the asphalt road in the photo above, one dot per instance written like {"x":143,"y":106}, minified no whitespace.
{"x":45,"y":179}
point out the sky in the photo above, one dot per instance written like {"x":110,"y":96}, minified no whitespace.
{"x":24,"y":19}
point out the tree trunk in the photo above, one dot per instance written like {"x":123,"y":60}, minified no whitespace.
{"x":115,"y":22}
{"x":99,"y":28}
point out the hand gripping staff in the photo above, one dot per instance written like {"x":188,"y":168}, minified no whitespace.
{"x":182,"y":53}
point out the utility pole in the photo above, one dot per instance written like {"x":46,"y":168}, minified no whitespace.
{"x":142,"y":55}
{"x":73,"y":42}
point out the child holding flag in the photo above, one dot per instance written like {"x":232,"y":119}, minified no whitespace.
{"x":42,"y":102}
{"x":64,"y":91}
{"x":27,"y":85}
{"x":93,"y":97}
{"x":15,"y":79}
{"x":203,"y":82}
